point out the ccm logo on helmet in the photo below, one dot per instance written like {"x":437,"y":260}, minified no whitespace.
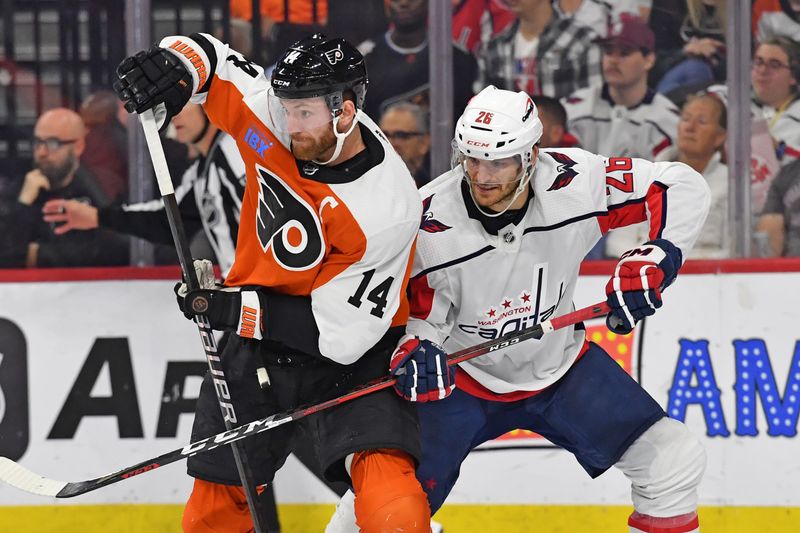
{"x":479,"y":144}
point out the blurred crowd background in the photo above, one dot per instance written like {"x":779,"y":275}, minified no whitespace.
{"x":658,"y":79}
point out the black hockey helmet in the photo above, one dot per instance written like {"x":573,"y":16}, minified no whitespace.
{"x":320,"y":66}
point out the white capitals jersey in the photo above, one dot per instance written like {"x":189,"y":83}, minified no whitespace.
{"x":469,"y":285}
{"x":605,"y":128}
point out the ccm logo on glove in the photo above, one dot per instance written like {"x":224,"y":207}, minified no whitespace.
{"x":634,"y":291}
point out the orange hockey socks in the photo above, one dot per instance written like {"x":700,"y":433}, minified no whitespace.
{"x":389,"y":499}
{"x":216,"y":508}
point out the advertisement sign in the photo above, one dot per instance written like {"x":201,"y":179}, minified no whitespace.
{"x":99,"y":375}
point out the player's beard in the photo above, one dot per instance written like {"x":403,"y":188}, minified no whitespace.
{"x":306,"y":147}
{"x":57,"y":174}
{"x":497,"y":199}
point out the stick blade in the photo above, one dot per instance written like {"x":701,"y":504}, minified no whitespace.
{"x":20,"y":477}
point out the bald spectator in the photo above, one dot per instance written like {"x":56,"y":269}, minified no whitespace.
{"x":26,"y":240}
{"x":624,"y":117}
{"x":106,"y":154}
{"x":405,"y":124}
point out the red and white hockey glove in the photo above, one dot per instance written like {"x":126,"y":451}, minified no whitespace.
{"x":226,"y":308}
{"x":634,"y":291}
{"x":421,"y":370}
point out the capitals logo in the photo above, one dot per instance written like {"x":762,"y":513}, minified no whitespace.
{"x":430,"y":224}
{"x":566,"y":170}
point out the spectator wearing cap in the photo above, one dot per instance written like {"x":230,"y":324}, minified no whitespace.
{"x":405,"y":124}
{"x":775,"y":76}
{"x":541,"y":52}
{"x":623,"y":116}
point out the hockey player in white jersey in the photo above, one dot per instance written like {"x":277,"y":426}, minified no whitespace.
{"x":499,"y":248}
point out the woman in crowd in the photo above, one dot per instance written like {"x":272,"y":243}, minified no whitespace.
{"x":701,"y":61}
{"x":700,"y":144}
{"x":775,"y":77}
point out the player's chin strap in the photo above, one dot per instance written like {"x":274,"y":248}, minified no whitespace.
{"x":524,"y":179}
{"x":340,"y":137}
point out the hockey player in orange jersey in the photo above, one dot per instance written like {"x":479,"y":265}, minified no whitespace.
{"x":316,"y":294}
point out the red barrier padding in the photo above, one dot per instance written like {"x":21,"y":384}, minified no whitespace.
{"x":588,"y":268}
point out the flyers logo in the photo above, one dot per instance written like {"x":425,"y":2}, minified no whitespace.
{"x":286,"y":224}
{"x":334,"y":55}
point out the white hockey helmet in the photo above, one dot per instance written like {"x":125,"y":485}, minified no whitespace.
{"x":497,"y":124}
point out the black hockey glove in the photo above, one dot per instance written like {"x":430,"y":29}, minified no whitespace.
{"x":228,"y":309}
{"x":154,"y":79}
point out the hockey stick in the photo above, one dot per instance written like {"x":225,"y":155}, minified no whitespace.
{"x":23,"y":479}
{"x":167,"y":191}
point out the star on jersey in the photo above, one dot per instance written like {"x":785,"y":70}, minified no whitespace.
{"x":506,"y":303}
{"x":430,"y":224}
{"x":525,"y":297}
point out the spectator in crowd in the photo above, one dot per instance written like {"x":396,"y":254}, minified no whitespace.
{"x":474,"y":20}
{"x":25,"y":239}
{"x":701,"y":61}
{"x":780,"y":219}
{"x":599,"y":15}
{"x":398,"y":64}
{"x":554,"y":118}
{"x":406,"y":126}
{"x":666,"y":19}
{"x":775,"y":77}
{"x":541,"y":52}
{"x":209,"y":196}
{"x":776,"y":18}
{"x":702,"y":131}
{"x":106,"y":153}
{"x":623,"y":116}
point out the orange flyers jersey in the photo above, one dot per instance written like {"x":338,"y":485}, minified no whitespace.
{"x":346,"y":240}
